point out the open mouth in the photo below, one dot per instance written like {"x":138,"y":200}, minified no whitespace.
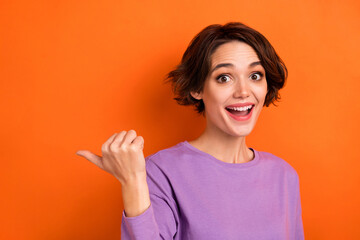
{"x":240,"y":111}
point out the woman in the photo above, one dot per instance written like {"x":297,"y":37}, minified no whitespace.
{"x":214,"y":187}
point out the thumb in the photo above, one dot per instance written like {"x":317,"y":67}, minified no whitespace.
{"x":95,"y":159}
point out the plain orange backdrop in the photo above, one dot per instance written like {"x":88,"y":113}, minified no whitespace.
{"x":72,"y":73}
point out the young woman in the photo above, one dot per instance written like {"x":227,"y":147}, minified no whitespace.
{"x":215,"y":186}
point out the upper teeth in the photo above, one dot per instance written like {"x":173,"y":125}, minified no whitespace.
{"x":241,"y":108}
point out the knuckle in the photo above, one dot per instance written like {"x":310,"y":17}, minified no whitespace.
{"x":123,"y":148}
{"x":134,"y":147}
{"x":132,"y":131}
{"x":142,"y":141}
{"x":104,"y":148}
{"x":112,"y":137}
{"x":139,"y":140}
{"x":114,"y":148}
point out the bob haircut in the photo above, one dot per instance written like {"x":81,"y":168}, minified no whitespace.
{"x":191,"y":73}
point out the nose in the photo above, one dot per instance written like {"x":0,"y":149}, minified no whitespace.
{"x":241,"y":89}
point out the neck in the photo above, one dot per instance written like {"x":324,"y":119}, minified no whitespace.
{"x":222,"y":146}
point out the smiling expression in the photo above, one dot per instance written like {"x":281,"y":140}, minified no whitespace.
{"x":236,"y":76}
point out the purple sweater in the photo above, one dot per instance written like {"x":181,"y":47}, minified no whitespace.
{"x":196,"y":196}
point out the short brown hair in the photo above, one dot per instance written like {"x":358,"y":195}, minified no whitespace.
{"x":194,"y":68}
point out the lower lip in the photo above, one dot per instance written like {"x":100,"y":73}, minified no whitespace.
{"x":241,"y":118}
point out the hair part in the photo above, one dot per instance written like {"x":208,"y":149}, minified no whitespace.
{"x":190,"y":75}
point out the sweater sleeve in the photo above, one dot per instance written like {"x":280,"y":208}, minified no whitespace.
{"x":160,"y":220}
{"x":299,"y":230}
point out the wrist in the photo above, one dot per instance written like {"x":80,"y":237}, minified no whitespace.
{"x":136,"y":199}
{"x":134,"y":180}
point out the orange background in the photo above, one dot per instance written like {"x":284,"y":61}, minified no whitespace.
{"x":72,"y":73}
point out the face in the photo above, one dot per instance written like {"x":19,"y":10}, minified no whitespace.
{"x":236,"y":77}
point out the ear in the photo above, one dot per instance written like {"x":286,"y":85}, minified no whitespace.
{"x":196,"y":95}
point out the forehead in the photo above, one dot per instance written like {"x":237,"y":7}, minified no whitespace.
{"x":234,"y":51}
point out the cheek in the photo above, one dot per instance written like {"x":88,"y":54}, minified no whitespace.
{"x":217,"y":98}
{"x":261,"y":92}
{"x":264,"y":94}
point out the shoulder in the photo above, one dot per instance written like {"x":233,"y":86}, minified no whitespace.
{"x":278,"y":164}
{"x":168,"y":156}
{"x":161,"y":172}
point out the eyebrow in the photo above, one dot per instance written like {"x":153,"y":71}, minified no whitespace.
{"x":220,"y":65}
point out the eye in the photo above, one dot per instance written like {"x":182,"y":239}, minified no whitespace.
{"x":223,"y":78}
{"x":259,"y":74}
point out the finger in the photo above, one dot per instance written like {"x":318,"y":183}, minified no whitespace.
{"x":106,"y":146}
{"x":95,"y":159}
{"x":129,"y":137}
{"x":118,"y":139}
{"x":139,"y":142}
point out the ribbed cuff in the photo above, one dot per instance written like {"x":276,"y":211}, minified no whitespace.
{"x":143,"y":226}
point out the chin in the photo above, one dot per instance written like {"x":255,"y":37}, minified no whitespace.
{"x":241,"y":132}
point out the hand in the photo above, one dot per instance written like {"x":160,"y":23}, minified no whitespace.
{"x":122,"y":156}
